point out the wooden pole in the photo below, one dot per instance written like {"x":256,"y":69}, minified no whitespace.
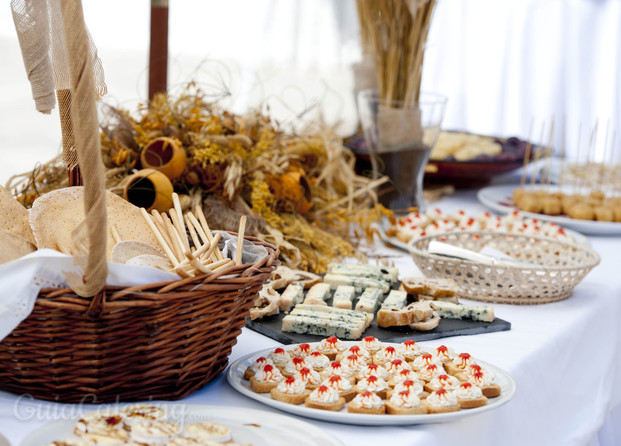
{"x":158,"y":49}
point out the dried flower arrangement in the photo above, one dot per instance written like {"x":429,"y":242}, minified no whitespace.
{"x":299,"y":191}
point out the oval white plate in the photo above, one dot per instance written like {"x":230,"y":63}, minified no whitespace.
{"x":499,"y":199}
{"x":258,"y":427}
{"x":235,"y":378}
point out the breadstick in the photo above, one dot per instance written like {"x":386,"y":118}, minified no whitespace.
{"x":226,"y":264}
{"x":178,"y":221}
{"x":207,"y":237}
{"x":205,"y":250}
{"x":177,"y":245}
{"x":159,"y":237}
{"x":212,"y":247}
{"x":180,"y":230}
{"x":240,"y":240}
{"x":216,"y":265}
{"x":193,"y":234}
{"x":196,"y":264}
{"x":205,"y":226}
{"x":159,"y":223}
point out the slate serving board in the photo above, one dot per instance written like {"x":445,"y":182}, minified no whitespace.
{"x":271,"y":327}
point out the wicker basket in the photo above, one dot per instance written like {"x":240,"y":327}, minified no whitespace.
{"x":557,"y":267}
{"x":161,"y":340}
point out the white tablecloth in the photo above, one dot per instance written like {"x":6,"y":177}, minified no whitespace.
{"x":565,"y":358}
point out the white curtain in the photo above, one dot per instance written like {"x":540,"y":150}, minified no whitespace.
{"x":503,"y":63}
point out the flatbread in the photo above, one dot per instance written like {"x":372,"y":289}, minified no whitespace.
{"x":14,"y":216}
{"x":127,"y":249}
{"x":154,"y":261}
{"x":13,"y":246}
{"x":56,"y":214}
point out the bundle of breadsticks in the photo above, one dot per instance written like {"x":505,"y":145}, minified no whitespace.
{"x":197,"y":254}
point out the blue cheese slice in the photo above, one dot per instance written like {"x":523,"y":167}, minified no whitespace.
{"x":322,"y":327}
{"x":325,"y":312}
{"x":359,"y":283}
{"x":395,"y":299}
{"x":448,"y":310}
{"x":344,"y":297}
{"x":388,"y":275}
{"x":318,"y":294}
{"x":369,"y":300}
{"x":293,"y":295}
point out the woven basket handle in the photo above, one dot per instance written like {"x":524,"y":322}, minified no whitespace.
{"x":86,"y":133}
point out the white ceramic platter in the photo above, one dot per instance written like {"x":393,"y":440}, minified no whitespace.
{"x":499,"y":199}
{"x":235,"y":378}
{"x":394,"y":241}
{"x":256,"y":427}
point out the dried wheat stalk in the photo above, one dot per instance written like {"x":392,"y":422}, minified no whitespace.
{"x":394,"y":33}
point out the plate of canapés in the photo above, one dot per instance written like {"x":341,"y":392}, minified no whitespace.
{"x":370,"y":382}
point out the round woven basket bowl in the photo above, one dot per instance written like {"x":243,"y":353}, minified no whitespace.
{"x":557,"y":267}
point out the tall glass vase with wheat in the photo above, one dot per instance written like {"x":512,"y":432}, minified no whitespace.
{"x":400,"y":123}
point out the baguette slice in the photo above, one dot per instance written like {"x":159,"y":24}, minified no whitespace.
{"x":283,"y":276}
{"x":428,"y":324}
{"x":413,"y":313}
{"x":430,"y":287}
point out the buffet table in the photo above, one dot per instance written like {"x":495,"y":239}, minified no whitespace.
{"x":565,"y":358}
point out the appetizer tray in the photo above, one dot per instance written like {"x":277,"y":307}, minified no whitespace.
{"x":248,"y":426}
{"x":271,"y":327}
{"x":475,"y":172}
{"x":396,"y":243}
{"x":499,"y":199}
{"x":235,"y":378}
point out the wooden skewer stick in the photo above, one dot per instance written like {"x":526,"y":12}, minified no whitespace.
{"x":205,"y":226}
{"x":529,"y":146}
{"x":177,"y":245}
{"x":158,"y":236}
{"x":563,"y":153}
{"x":537,"y":156}
{"x":549,"y":153}
{"x":179,"y":221}
{"x":240,"y":240}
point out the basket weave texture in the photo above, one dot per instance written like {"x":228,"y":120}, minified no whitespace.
{"x":557,"y":267}
{"x":160,"y":340}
